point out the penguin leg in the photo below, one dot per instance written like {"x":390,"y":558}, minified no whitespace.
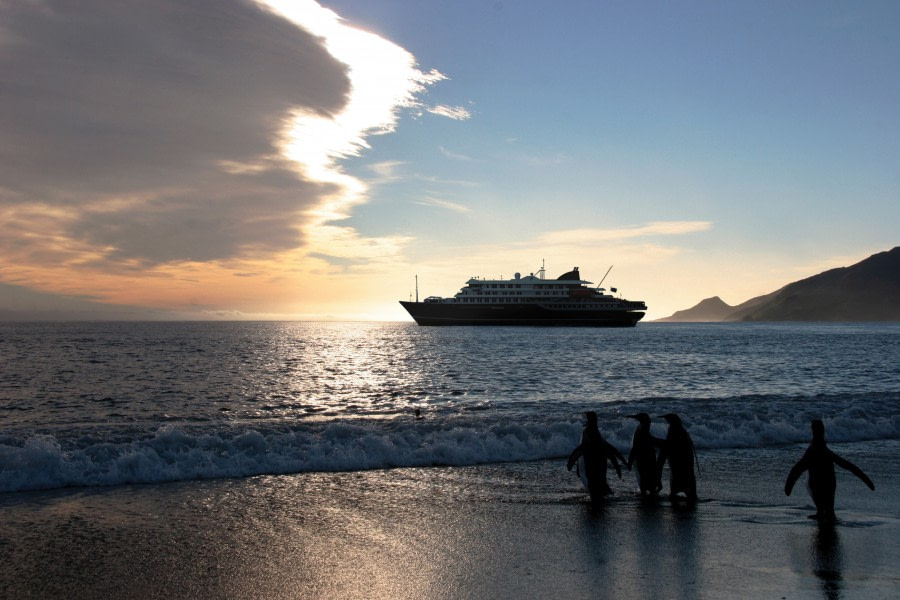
{"x":824,"y":506}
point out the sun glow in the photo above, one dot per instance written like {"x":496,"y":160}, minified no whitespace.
{"x":384,"y":79}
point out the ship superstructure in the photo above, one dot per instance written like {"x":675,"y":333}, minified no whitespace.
{"x":529,"y":300}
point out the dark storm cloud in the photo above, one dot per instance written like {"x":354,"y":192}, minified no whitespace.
{"x":144,"y":102}
{"x":237,"y":215}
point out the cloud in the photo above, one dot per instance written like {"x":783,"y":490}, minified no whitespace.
{"x":145,"y":138}
{"x":658,"y":228}
{"x":119,"y":120}
{"x":445,"y":204}
{"x":386,"y":171}
{"x":457,"y":113}
{"x":453,"y":155}
{"x":637,"y":251}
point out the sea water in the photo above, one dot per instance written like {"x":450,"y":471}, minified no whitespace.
{"x":99,"y":404}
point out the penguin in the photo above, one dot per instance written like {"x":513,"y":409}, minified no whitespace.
{"x":643,"y":456}
{"x":678,"y":449}
{"x":820,"y":461}
{"x":595,"y":452}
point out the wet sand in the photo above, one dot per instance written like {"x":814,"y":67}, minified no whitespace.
{"x":522,"y":530}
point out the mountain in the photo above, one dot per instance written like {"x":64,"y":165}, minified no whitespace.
{"x":709,"y":310}
{"x":866,"y":291}
{"x":714,"y":310}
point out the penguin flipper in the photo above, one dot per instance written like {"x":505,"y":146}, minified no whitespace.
{"x":846,"y":464}
{"x":615,"y":465}
{"x":573,"y":458}
{"x":694,"y":452}
{"x":794,"y":475}
{"x":612,"y":453}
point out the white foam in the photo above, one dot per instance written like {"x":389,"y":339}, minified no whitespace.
{"x":176,"y":453}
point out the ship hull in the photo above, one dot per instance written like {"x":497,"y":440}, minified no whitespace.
{"x":435,"y":313}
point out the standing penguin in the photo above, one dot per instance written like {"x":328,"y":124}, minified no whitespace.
{"x":643,"y":456}
{"x":595,"y":451}
{"x":820,"y":461}
{"x":678,"y":449}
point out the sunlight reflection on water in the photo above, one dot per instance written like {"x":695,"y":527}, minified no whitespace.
{"x":268,"y":372}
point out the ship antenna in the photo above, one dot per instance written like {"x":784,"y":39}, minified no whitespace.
{"x":604,"y":277}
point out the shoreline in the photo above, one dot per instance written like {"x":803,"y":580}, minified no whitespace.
{"x":500,"y":530}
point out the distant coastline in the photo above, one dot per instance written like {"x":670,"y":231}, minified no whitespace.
{"x":868,"y":291}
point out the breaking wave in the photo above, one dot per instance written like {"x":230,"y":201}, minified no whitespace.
{"x":186,"y":451}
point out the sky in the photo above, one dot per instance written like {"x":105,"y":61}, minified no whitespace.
{"x":228,"y":159}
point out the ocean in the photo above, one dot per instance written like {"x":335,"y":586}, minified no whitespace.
{"x":287,"y":460}
{"x":107,"y":404}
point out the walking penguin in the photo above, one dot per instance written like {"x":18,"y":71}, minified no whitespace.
{"x":678,"y":449}
{"x":594,"y":452}
{"x":643,"y":456}
{"x":820,"y":461}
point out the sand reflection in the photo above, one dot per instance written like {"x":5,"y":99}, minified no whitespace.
{"x":827,"y":560}
{"x":683,"y":564}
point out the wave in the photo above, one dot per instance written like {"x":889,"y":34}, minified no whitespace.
{"x":183,"y":452}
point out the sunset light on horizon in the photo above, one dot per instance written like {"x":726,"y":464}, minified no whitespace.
{"x":307,"y":161}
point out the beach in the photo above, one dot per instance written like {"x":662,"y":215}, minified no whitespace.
{"x":513,"y":530}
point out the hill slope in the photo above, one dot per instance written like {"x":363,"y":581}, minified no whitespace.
{"x":714,"y":310}
{"x":709,"y":310}
{"x":866,"y":291}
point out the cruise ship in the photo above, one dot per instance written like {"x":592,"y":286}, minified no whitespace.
{"x":529,"y":300}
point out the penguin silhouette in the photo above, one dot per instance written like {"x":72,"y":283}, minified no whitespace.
{"x":820,"y":461}
{"x":595,"y":452}
{"x":643,"y":456}
{"x":678,"y":449}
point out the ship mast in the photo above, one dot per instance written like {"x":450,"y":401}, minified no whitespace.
{"x":417,"y":287}
{"x":604,"y":277}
